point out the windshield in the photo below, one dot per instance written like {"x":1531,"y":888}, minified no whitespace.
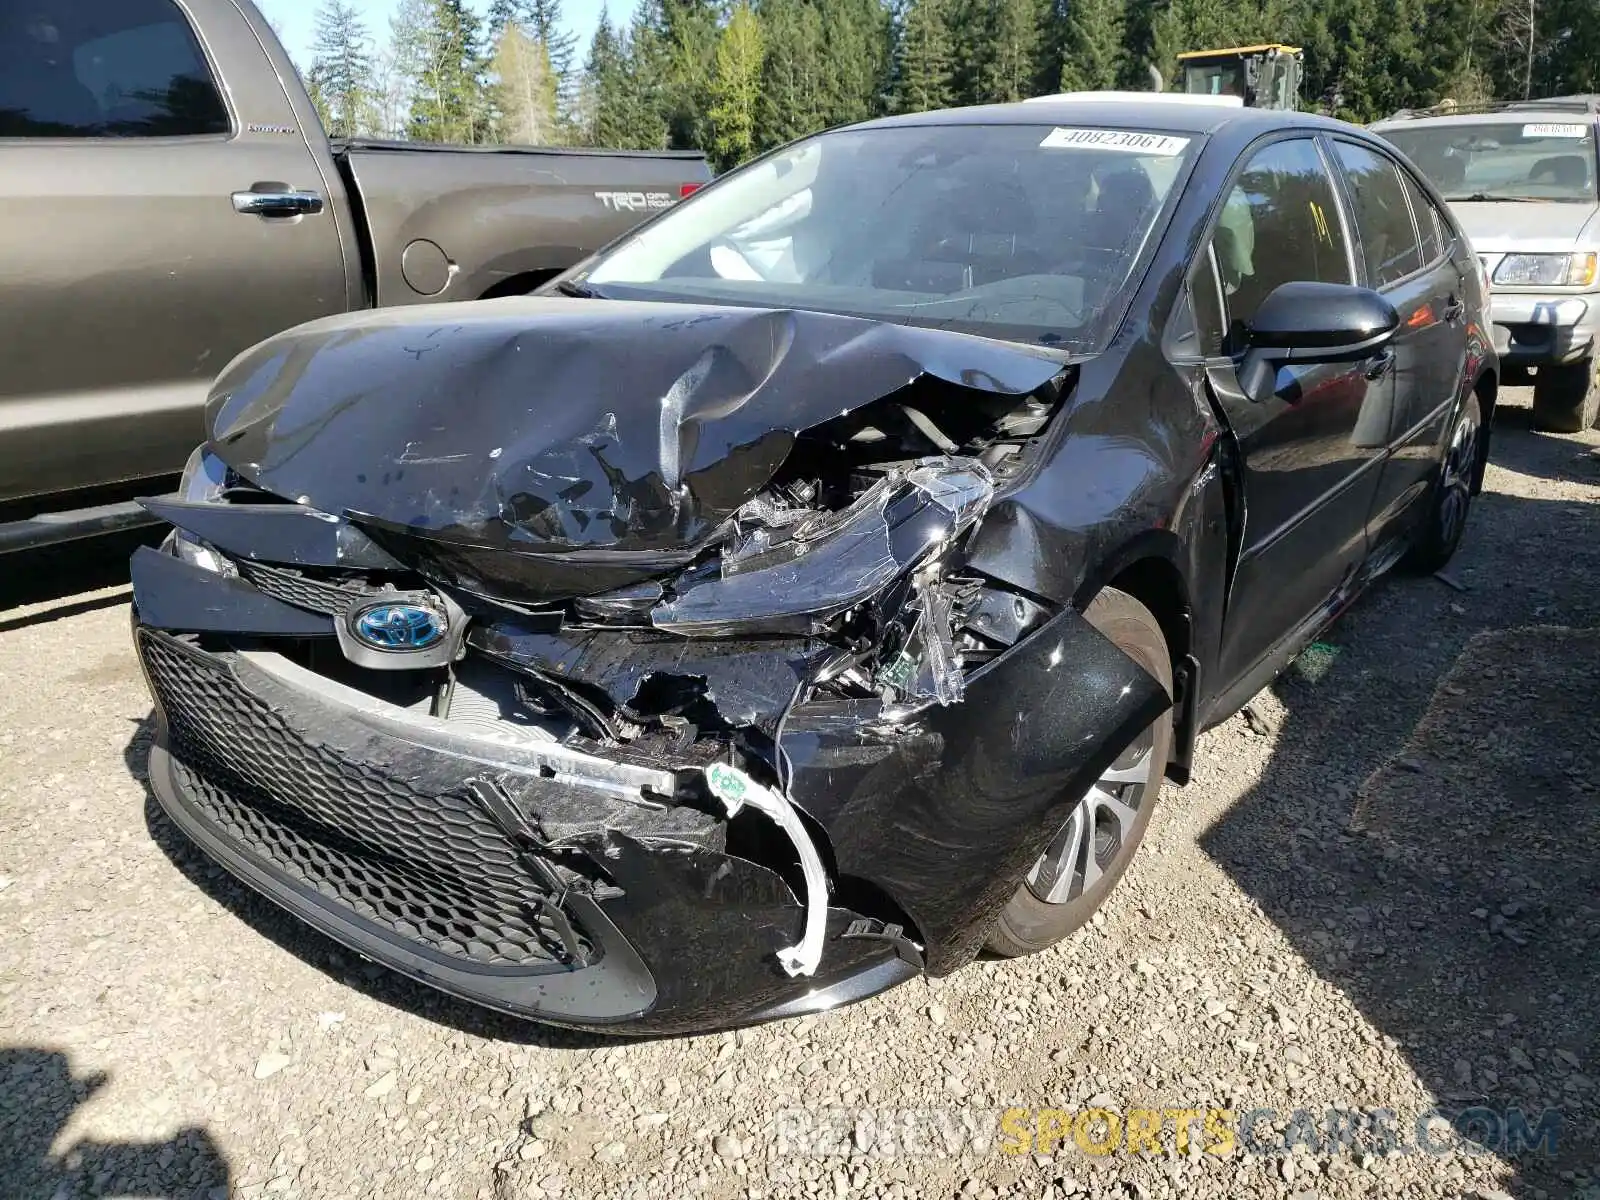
{"x":1520,"y":160}
{"x":1022,"y":232}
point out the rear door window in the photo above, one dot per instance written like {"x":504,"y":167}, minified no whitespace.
{"x":1432,"y":225}
{"x":104,"y":68}
{"x":1389,"y":242}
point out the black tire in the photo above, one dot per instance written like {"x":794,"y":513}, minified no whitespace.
{"x":1566,"y":398}
{"x":1451,"y":498}
{"x":1028,"y":923}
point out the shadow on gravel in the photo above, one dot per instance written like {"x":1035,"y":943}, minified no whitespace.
{"x":38,"y":1095}
{"x":63,"y":573}
{"x":1427,"y":832}
{"x":321,"y":952}
{"x":1543,"y":456}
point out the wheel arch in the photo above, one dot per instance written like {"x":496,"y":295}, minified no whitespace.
{"x":1487,"y":389}
{"x":1148,"y":568}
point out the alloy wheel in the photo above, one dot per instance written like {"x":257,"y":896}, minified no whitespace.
{"x":1455,"y":480}
{"x":1098,"y":828}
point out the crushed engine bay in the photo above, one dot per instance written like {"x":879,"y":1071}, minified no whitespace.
{"x":692,"y":569}
{"x":789,"y":486}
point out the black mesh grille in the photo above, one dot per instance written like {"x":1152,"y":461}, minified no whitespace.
{"x":329,"y":596}
{"x":431,"y":868}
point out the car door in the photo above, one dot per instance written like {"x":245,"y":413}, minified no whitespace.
{"x":1308,"y":478}
{"x":1403,"y":257}
{"x":131,"y":277}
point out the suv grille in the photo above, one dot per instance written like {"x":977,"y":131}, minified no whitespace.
{"x":431,"y":868}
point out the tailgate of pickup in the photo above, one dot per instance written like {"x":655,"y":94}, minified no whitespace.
{"x":465,"y":222}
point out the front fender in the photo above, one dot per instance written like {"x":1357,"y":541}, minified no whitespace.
{"x":945,"y":814}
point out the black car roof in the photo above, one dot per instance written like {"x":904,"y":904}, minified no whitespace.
{"x":1127,"y":111}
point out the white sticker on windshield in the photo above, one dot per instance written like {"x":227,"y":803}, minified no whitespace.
{"x":1555,"y":131}
{"x":1114,"y":139}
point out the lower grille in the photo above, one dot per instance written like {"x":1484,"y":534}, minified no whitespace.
{"x":431,"y":868}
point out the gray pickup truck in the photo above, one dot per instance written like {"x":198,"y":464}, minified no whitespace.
{"x":168,"y":199}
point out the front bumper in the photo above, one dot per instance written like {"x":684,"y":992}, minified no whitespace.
{"x":370,"y":835}
{"x":1537,"y":330}
{"x":595,"y":884}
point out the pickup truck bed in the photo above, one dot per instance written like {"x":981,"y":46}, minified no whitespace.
{"x":518,"y":215}
{"x":168,"y":199}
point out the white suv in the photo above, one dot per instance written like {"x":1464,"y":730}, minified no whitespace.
{"x":1524,"y":181}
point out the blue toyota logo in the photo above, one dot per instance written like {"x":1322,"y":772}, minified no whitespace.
{"x":399,"y":627}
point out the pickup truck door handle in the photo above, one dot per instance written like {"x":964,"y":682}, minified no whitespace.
{"x":276,"y":200}
{"x":1380,"y":364}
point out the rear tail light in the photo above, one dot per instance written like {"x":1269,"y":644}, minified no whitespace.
{"x":688,"y":189}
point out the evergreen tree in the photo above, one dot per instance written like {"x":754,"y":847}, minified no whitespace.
{"x":1138,"y":44}
{"x":1092,"y":45}
{"x":1343,"y":58}
{"x":604,"y":88}
{"x":319,"y":101}
{"x":680,"y":74}
{"x":618,"y":95}
{"x":502,"y":13}
{"x":736,"y":87}
{"x":652,"y":86}
{"x":858,"y":41}
{"x":793,"y":100}
{"x":525,"y":90}
{"x":924,"y":72}
{"x":999,"y":50}
{"x":341,"y":69}
{"x":1575,"y":61}
{"x":1016,"y":60}
{"x":437,"y":44}
{"x":543,"y":18}
{"x":674,"y":45}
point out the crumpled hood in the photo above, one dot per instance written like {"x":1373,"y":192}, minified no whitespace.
{"x":555,"y":425}
{"x":1504,"y":227}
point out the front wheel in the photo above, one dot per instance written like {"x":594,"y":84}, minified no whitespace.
{"x":1090,"y":852}
{"x":1452,"y":494}
{"x":1566,"y":398}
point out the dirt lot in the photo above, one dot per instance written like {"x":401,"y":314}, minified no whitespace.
{"x":1381,"y":892}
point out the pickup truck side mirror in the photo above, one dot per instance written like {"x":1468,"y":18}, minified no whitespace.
{"x":1304,"y":322}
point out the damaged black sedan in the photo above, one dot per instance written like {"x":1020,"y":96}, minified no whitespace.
{"x":814,"y":588}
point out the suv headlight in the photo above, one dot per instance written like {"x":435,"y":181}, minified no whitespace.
{"x":1546,"y":270}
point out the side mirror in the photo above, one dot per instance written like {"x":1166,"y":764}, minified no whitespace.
{"x":1313,"y":323}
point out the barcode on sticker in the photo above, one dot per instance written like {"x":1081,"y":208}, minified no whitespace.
{"x":1114,"y":139}
{"x":1555,"y":131}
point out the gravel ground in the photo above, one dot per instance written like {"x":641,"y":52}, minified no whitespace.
{"x":1380,"y":892}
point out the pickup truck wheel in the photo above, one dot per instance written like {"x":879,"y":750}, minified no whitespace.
{"x":1089,"y":854}
{"x":1567,"y":397}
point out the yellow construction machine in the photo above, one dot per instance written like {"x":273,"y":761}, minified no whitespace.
{"x":1266,"y":76}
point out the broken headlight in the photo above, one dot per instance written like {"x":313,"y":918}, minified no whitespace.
{"x":204,"y":477}
{"x":868,"y":577}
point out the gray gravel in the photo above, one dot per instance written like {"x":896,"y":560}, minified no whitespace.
{"x":1381,"y":891}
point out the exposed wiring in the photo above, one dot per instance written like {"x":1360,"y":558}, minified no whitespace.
{"x":785,"y":767}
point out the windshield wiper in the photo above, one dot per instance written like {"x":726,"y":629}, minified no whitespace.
{"x":583,"y":291}
{"x":1483,"y":197}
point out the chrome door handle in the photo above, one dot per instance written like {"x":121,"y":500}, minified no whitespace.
{"x":278,"y":202}
{"x":1380,"y":364}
